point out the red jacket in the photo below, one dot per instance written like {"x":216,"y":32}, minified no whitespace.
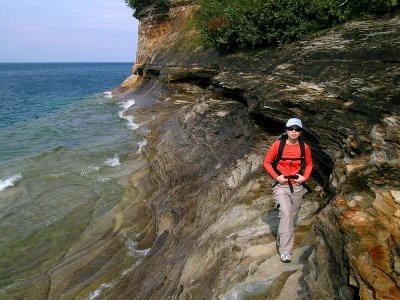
{"x":288,"y":167}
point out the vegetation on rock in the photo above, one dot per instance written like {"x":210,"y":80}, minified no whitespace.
{"x":139,"y":5}
{"x":242,"y":24}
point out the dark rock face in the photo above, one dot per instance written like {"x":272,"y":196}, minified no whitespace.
{"x":156,"y":9}
{"x":345,"y":86}
{"x":213,"y":228}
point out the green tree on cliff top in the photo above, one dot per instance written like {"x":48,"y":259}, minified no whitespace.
{"x":233,"y":25}
{"x":242,"y":24}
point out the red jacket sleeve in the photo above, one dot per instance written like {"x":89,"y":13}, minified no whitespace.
{"x":269,"y":158}
{"x":308,"y":161}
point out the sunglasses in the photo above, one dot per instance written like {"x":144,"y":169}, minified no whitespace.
{"x":297,"y":129}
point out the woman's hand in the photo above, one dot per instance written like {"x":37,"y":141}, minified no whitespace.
{"x":300,"y":179}
{"x":281,"y":179}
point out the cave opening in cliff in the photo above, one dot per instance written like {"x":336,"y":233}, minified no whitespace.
{"x":202,"y":82}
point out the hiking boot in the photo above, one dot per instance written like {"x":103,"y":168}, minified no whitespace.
{"x":286,"y":258}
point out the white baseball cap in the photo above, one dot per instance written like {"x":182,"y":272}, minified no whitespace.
{"x":294,"y":122}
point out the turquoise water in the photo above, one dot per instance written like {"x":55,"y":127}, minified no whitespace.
{"x":64,"y":138}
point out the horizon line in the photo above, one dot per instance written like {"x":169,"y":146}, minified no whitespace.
{"x":60,"y":62}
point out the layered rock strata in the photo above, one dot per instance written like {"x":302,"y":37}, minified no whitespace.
{"x":211,"y":119}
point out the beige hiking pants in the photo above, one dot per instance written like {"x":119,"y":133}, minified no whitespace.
{"x":289,"y":205}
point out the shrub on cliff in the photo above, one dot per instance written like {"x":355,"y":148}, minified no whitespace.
{"x":140,"y":5}
{"x":241,"y":24}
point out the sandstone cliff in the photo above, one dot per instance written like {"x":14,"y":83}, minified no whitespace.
{"x":211,"y":119}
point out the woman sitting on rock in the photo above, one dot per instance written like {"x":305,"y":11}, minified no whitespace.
{"x":289,"y":163}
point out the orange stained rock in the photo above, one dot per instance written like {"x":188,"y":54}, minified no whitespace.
{"x":359,"y":223}
{"x":394,"y":292}
{"x":380,"y":282}
{"x":340,"y":201}
{"x":132,"y":81}
{"x":395,"y":236}
{"x":380,"y":256}
{"x":368,"y":240}
{"x":155,"y":38}
{"x":358,"y":218}
{"x":348,"y":214}
{"x":384,"y":203}
{"x":360,"y":262}
{"x":354,"y":144}
{"x":384,"y":226}
{"x":365,"y":294}
{"x":385,"y":288}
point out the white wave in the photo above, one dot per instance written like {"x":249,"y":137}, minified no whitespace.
{"x":141,"y":145}
{"x":125,"y":106}
{"x":51,"y":221}
{"x":127,"y":271}
{"x":131,"y":124}
{"x":59,"y":175}
{"x":102,"y":178}
{"x":109,"y":285}
{"x":108,"y":94}
{"x":121,"y":114}
{"x":132,"y":251}
{"x":88,"y":173}
{"x":89,"y":169}
{"x":113,"y":162}
{"x":102,"y":287}
{"x":9,"y":181}
{"x":143,"y":252}
{"x":131,"y":248}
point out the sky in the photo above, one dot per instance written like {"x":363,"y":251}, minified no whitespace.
{"x":67,"y":31}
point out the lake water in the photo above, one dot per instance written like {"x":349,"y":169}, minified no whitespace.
{"x":64,"y":139}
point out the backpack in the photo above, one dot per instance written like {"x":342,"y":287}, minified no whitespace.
{"x":283,"y":137}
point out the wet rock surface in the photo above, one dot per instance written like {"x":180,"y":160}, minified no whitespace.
{"x":213,"y":227}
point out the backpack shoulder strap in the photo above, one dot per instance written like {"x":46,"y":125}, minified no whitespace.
{"x":282,"y":143}
{"x":302,"y":156}
{"x":302,"y":149}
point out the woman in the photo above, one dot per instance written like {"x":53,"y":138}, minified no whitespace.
{"x":290,"y":164}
